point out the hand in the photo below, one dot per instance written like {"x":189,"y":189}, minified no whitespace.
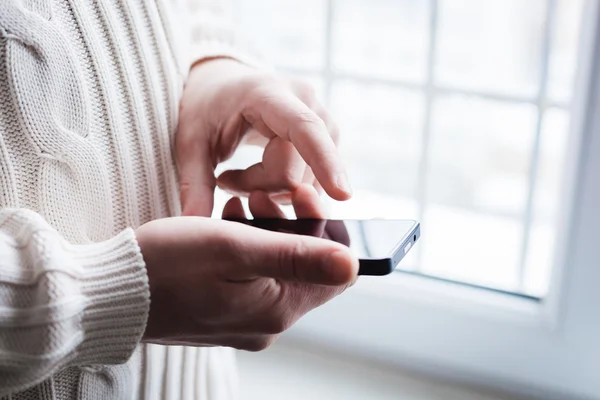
{"x":226,"y":103}
{"x":222,"y":283}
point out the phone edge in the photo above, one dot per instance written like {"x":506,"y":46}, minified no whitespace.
{"x":385,"y":266}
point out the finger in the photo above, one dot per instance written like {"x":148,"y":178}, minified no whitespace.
{"x":332,"y":126}
{"x":256,"y":137}
{"x":280,"y":171}
{"x":196,"y":181}
{"x":283,"y":199}
{"x":318,"y":187}
{"x":261,"y":206}
{"x":307,"y":296}
{"x":246,"y":342}
{"x":307,"y":203}
{"x":292,"y":120}
{"x":309,"y":178}
{"x":252,"y":343}
{"x":288,"y":257}
{"x":308,"y":95}
{"x":336,"y":230}
{"x":234,"y":209}
{"x":334,"y":132}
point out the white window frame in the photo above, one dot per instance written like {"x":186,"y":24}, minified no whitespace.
{"x":550,"y":348}
{"x":328,"y":75}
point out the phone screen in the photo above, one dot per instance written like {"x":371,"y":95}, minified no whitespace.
{"x":368,"y":239}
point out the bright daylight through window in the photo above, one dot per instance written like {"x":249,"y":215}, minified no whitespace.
{"x":452,"y":112}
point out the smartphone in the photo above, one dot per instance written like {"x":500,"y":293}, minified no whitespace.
{"x":379,"y":244}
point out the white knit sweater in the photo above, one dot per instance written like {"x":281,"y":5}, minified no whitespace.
{"x":89,"y":93}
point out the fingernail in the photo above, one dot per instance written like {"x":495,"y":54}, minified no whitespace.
{"x":343,"y":183}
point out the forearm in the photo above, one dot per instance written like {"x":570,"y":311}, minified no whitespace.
{"x":63,"y":305}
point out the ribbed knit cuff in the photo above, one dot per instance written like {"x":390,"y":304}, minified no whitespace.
{"x":117,"y":299}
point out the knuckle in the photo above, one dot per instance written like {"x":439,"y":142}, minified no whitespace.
{"x":263,"y":84}
{"x":261,"y":98}
{"x":289,"y":178}
{"x":332,"y":126}
{"x":305,"y":91}
{"x":256,"y":81}
{"x":309,"y":118}
{"x":259,"y":92}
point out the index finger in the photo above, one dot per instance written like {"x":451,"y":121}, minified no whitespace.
{"x":292,"y":120}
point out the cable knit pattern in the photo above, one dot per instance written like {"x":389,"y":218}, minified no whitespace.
{"x":89,"y":93}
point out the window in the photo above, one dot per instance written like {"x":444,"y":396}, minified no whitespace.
{"x":453,"y":112}
{"x":480,"y":118}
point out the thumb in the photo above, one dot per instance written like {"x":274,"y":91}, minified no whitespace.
{"x":196,"y":182}
{"x":296,"y":258}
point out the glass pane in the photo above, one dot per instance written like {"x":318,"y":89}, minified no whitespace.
{"x":477,"y":190}
{"x":291,"y":33}
{"x":564,"y":52}
{"x":549,"y":192}
{"x":382,"y":38}
{"x":467,"y":246}
{"x":480,"y":154}
{"x":492,"y":45}
{"x":381,"y":136}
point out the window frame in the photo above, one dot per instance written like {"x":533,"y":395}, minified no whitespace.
{"x":548,"y":348}
{"x":432,"y":90}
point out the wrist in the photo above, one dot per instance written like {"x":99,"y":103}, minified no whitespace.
{"x":218,"y":69}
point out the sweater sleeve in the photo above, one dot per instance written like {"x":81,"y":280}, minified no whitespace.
{"x":65,"y":305}
{"x":211,"y":32}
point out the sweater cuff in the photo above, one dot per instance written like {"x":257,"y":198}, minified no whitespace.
{"x":117,"y":299}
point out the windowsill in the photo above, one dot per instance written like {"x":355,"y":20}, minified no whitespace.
{"x":294,"y":372}
{"x":453,"y":296}
{"x":439,"y":328}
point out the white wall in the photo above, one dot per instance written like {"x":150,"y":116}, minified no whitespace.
{"x":290,"y":373}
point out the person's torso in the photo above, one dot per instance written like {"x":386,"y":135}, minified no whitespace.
{"x":89,"y":93}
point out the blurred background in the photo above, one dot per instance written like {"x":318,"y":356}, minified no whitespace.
{"x":452,"y":112}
